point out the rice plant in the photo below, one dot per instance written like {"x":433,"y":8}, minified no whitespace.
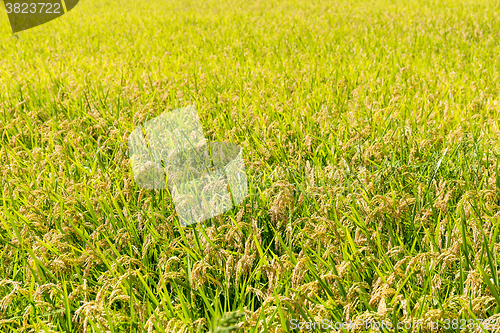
{"x":370,"y":132}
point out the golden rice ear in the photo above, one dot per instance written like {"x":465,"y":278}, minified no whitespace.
{"x":26,"y":14}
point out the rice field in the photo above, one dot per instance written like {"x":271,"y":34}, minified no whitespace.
{"x":370,"y":132}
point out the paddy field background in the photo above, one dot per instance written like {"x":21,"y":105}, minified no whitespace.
{"x":370,"y":132}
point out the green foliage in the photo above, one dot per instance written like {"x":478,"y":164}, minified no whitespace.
{"x":370,"y":131}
